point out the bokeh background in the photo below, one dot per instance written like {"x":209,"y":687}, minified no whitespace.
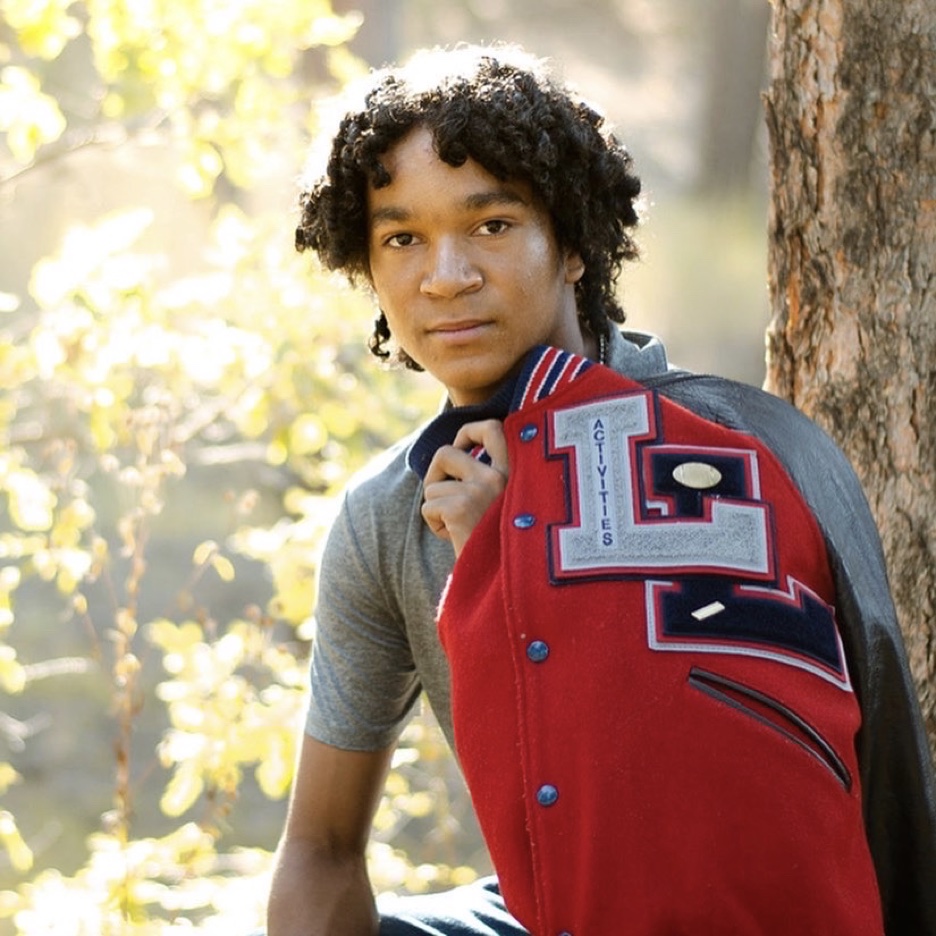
{"x":680,"y":80}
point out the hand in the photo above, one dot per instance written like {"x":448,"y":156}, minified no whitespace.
{"x":459,"y":488}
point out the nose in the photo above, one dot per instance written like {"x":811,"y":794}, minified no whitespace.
{"x":450,"y":271}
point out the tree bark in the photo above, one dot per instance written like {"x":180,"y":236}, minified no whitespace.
{"x":851,"y":114}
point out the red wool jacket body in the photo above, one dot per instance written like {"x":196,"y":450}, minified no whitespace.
{"x":651,"y":703}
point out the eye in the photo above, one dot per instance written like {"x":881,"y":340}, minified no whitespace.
{"x":493,"y":226}
{"x":399,"y":240}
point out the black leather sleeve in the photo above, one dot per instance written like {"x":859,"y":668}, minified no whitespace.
{"x":896,"y":764}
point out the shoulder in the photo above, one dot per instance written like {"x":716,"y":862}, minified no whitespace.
{"x":747,"y":409}
{"x":820,"y":470}
{"x":378,"y":505}
{"x":371,"y":522}
{"x":811,"y":457}
{"x":385,"y":473}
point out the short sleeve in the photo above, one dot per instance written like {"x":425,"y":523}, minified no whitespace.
{"x":363,"y":679}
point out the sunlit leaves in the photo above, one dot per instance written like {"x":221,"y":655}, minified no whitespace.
{"x":43,"y":27}
{"x":391,"y":870}
{"x":95,"y":262}
{"x":10,"y":577}
{"x":200,"y":170}
{"x":221,"y":720}
{"x":236,"y":66}
{"x":289,"y":548}
{"x":71,"y":522}
{"x":20,"y":854}
{"x":247,"y":332}
{"x":156,"y":38}
{"x":208,"y":554}
{"x":308,"y":434}
{"x":199,"y":67}
{"x":8,"y":776}
{"x":30,"y":502}
{"x":123,"y":888}
{"x":28,"y":117}
{"x":12,"y":674}
{"x":66,"y":567}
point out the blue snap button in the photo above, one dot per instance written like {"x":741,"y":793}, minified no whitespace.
{"x":538,"y":650}
{"x":547,"y":794}
{"x":528,"y":433}
{"x":524,"y":521}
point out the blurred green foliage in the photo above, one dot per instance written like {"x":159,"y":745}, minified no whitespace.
{"x":120,"y":378}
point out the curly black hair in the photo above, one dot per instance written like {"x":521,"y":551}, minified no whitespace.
{"x":501,"y":108}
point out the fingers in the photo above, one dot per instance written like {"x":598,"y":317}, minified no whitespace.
{"x":459,"y":488}
{"x":451,"y":464}
{"x":452,"y":509}
{"x":457,"y":461}
{"x":437,"y":506}
{"x":490,"y":434}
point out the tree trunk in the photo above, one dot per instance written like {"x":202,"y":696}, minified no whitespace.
{"x":851,"y":113}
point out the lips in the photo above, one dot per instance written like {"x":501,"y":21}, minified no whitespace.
{"x":463,"y":325}
{"x":460,"y":330}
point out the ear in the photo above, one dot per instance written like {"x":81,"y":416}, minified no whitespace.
{"x":574,"y":267}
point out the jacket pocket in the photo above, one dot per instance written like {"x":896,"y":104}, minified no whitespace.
{"x":774,"y":714}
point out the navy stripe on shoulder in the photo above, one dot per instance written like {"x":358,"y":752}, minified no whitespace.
{"x":543,"y":372}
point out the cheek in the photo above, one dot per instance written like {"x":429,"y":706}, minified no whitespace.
{"x":387,"y":287}
{"x":541,"y":252}
{"x":396,"y":323}
{"x":544,"y":270}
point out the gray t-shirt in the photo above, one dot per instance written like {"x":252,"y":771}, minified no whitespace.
{"x":381,"y":576}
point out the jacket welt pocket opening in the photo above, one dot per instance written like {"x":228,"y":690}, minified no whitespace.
{"x":774,"y":714}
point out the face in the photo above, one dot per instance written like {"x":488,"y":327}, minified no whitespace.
{"x":467,"y":269}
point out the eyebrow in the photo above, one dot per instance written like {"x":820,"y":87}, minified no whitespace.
{"x":392,"y":214}
{"x":498,"y":197}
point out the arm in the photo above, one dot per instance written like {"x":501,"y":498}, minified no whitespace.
{"x":320,"y":884}
{"x":459,"y":488}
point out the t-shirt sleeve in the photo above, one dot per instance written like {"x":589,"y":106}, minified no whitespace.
{"x":363,"y":680}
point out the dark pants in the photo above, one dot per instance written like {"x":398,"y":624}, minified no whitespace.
{"x":474,"y":910}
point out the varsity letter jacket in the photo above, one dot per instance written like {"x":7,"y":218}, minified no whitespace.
{"x":651,"y":702}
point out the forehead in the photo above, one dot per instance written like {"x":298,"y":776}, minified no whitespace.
{"x":418,"y":145}
{"x":419,"y":178}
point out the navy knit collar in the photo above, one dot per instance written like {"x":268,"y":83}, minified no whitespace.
{"x":544,"y":370}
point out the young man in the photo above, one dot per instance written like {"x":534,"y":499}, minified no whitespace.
{"x":666,"y":655}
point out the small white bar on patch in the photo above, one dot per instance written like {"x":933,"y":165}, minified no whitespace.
{"x":700,"y":614}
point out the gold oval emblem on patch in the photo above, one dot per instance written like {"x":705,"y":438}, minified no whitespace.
{"x":697,"y":475}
